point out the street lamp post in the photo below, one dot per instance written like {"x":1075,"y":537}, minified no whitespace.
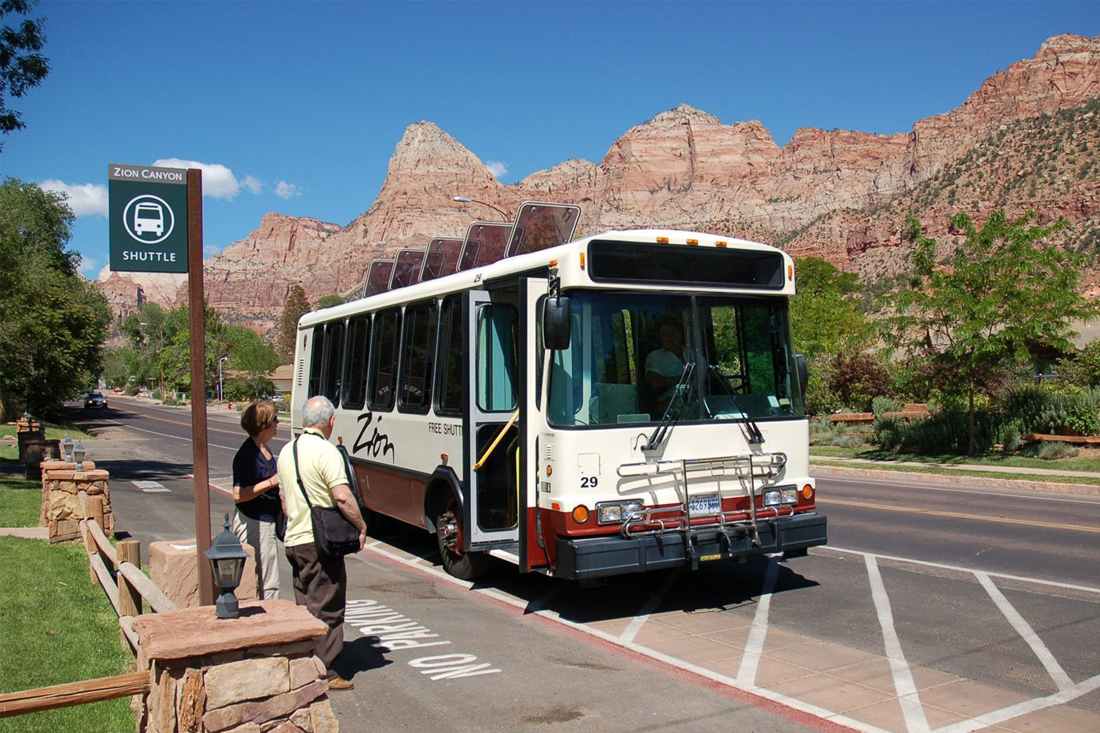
{"x":221,"y":391}
{"x":468,"y":200}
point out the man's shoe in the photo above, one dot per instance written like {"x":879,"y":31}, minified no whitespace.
{"x":336,"y":682}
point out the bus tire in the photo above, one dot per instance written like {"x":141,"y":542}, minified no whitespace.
{"x":449,"y":535}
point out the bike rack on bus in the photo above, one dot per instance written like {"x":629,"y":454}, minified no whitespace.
{"x":746,"y":468}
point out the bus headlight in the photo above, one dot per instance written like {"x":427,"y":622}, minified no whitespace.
{"x":617,"y":512}
{"x":780,"y":496}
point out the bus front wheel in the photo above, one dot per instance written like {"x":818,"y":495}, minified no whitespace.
{"x":450,"y":536}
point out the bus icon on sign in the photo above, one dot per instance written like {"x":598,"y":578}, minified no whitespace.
{"x":148,"y":219}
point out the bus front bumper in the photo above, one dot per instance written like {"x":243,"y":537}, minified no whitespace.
{"x":596,"y":557}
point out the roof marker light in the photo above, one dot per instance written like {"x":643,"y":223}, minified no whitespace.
{"x":553,"y":263}
{"x":790,"y":272}
{"x":720,"y":243}
{"x":693,"y":241}
{"x":582,"y":260}
{"x":662,"y":240}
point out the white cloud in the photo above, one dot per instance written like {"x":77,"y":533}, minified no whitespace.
{"x":88,"y":266}
{"x":85,"y":199}
{"x":209,"y":250}
{"x":218,"y":181}
{"x":497,"y":168}
{"x":286,"y":190}
{"x":252,"y":184}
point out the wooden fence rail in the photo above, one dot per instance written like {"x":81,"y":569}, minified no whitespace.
{"x":73,"y":693}
{"x":123,"y":582}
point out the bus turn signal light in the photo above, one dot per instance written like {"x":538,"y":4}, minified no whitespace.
{"x":807,"y":492}
{"x":580,"y":514}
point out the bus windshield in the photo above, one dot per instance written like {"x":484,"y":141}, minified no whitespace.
{"x":628,"y":352}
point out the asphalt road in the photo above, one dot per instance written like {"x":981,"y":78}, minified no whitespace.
{"x":932,"y":550}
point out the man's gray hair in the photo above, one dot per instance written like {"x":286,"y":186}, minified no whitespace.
{"x":318,"y":411}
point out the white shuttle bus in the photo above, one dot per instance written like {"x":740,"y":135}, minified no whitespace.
{"x":625,"y":402}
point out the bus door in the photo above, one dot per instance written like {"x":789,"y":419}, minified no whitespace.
{"x":532,"y":551}
{"x":495,"y":344}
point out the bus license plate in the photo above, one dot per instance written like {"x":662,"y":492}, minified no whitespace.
{"x":708,"y":504}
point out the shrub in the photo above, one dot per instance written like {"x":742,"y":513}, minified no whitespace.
{"x":858,"y":376}
{"x":1008,"y":433}
{"x":171,"y":401}
{"x":1049,"y":451}
{"x":131,"y":390}
{"x":1042,"y":408}
{"x":945,"y":432}
{"x":881,"y":405}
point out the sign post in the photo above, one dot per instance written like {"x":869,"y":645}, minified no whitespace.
{"x":156,"y":226}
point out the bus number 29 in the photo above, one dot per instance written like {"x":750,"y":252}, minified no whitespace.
{"x":589,"y":482}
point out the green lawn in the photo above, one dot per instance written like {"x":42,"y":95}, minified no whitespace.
{"x":20,"y":502}
{"x":57,"y":627}
{"x":52,"y":431}
{"x":1088,"y":460}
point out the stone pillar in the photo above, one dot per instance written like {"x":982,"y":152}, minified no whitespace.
{"x":27,"y":430}
{"x":61,"y":501}
{"x":173,"y":569}
{"x":38,"y":451}
{"x":248,"y":675}
{"x":57,"y":465}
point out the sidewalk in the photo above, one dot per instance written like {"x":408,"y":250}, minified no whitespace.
{"x":819,"y":466}
{"x":960,"y":467}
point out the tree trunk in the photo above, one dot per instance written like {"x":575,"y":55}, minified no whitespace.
{"x":970,"y":390}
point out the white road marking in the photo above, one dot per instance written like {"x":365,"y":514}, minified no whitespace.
{"x":632,"y":629}
{"x":1023,"y":628}
{"x":165,"y":435}
{"x":961,"y":569}
{"x":151,"y":487}
{"x":911,"y":708}
{"x":966,"y":726}
{"x":754,"y":646}
{"x":211,"y":484}
{"x":790,"y":702}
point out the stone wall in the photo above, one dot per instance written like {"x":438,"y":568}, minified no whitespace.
{"x":255,"y":674}
{"x":61,"y":486}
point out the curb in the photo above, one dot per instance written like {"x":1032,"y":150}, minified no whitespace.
{"x":946,"y":479}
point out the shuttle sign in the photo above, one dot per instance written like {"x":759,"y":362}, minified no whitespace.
{"x":148,"y":212}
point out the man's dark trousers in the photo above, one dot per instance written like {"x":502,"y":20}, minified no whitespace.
{"x":320,"y":584}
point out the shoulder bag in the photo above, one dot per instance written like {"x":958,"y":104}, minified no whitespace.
{"x":333,"y":534}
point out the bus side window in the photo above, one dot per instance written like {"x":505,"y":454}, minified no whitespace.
{"x":496,"y":363}
{"x":334,"y":361}
{"x":315,"y":361}
{"x":451,"y":347}
{"x":387,"y":326}
{"x":418,"y":354}
{"x":355,"y":378}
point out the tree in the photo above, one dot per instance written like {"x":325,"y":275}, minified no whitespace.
{"x":1002,"y":290}
{"x":53,"y":323}
{"x":296,"y":306}
{"x":328,"y":301}
{"x":825,"y":316}
{"x":249,"y":353}
{"x":22,"y":66}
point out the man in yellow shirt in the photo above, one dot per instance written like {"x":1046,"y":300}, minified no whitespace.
{"x":320,"y":582}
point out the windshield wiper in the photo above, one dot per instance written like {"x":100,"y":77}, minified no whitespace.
{"x":752,"y":430}
{"x":669,"y":419}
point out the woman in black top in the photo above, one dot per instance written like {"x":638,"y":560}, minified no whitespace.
{"x":259,"y":518}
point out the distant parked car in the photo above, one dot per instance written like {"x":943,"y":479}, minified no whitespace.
{"x":94,"y":399}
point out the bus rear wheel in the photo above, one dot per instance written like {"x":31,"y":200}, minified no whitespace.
{"x":450,"y":536}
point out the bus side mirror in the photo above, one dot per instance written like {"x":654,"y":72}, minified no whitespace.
{"x":803,"y":372}
{"x":557,"y":315}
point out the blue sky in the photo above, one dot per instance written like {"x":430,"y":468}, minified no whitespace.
{"x":314,"y":96}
